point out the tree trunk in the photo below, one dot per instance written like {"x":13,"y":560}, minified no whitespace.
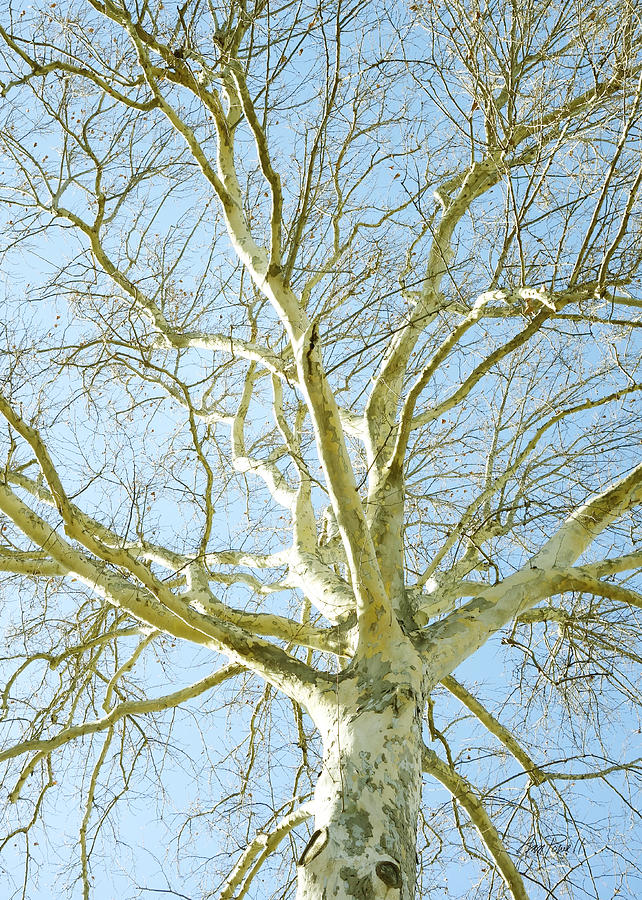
{"x":367,"y":798}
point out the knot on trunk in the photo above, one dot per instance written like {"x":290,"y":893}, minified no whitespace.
{"x":389,"y":872}
{"x":314,"y":846}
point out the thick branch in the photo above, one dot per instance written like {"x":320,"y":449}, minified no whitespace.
{"x":160,"y":608}
{"x":495,"y":727}
{"x":43,"y":747}
{"x":455,"y":638}
{"x":464,"y":794}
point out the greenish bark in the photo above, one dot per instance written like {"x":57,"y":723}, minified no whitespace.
{"x":367,"y":798}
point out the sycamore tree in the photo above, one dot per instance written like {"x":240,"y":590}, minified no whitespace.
{"x":319,"y":381}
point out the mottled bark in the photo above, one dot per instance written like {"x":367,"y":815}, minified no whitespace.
{"x":367,"y":798}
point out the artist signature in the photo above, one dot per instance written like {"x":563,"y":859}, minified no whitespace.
{"x":555,"y":843}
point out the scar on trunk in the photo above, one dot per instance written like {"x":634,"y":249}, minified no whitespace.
{"x":314,"y":337}
{"x":314,"y":846}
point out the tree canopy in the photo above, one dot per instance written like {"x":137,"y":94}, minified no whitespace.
{"x":319,"y":393}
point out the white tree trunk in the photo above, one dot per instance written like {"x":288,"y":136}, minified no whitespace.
{"x":367,"y":797}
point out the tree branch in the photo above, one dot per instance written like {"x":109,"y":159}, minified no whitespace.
{"x":463,"y":792}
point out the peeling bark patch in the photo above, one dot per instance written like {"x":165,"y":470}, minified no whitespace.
{"x":389,"y":872}
{"x":478,"y":605}
{"x":359,"y":887}
{"x":359,"y":827}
